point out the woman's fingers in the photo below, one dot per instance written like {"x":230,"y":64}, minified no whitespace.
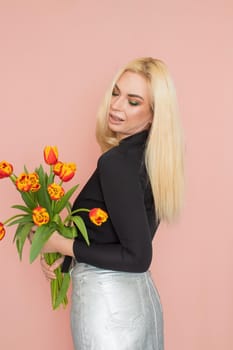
{"x":57,"y":263}
{"x":48,"y":270}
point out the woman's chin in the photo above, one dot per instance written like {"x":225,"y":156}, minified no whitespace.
{"x":114,"y":127}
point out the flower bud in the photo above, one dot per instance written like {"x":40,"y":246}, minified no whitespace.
{"x":67,"y":171}
{"x":98,"y":216}
{"x":57,"y":168}
{"x":6,"y":169}
{"x":40,"y":216}
{"x":34,"y":179}
{"x":51,"y":155}
{"x":23,"y":183}
{"x":55,"y":191}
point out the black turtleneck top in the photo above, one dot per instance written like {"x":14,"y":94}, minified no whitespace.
{"x":121,"y":187}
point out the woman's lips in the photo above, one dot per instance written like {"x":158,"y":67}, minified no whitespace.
{"x":114,"y":119}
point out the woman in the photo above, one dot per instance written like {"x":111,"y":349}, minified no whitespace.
{"x":139,"y":182}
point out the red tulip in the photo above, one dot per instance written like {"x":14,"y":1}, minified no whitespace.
{"x":55,"y":191}
{"x":6,"y":169}
{"x":51,"y":155}
{"x":23,"y":183}
{"x":67,"y":171}
{"x":57,"y":168}
{"x":34,"y":179}
{"x":98,"y":216}
{"x":40,"y":216}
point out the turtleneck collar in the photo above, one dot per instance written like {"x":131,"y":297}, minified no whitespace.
{"x":138,"y":138}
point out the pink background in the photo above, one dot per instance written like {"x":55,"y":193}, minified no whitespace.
{"x":56,"y":60}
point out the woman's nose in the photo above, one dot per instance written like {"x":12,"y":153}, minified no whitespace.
{"x":116,"y":103}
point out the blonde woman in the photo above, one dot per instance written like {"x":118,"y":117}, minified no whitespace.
{"x":139,"y":183}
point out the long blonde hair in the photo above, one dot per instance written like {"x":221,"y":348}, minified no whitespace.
{"x":164,"y":149}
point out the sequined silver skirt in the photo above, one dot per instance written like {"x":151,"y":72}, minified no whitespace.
{"x":114,"y":310}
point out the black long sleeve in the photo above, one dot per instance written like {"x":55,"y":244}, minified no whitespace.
{"x":121,"y":187}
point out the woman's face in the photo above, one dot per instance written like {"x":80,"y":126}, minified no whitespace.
{"x":130,"y":110}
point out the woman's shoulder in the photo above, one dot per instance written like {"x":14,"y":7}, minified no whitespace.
{"x":120,"y":160}
{"x":111,"y":157}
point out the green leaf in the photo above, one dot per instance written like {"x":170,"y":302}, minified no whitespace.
{"x":42,"y":195}
{"x":41,"y":236}
{"x":57,"y":219}
{"x":25,"y":169}
{"x":81,"y":226}
{"x":21,"y":207}
{"x":68,"y":231}
{"x":21,"y":235}
{"x":24,"y":219}
{"x":60,"y":205}
{"x":68,"y":208}
{"x":40,"y":171}
{"x":27,"y":198}
{"x":51,"y":177}
{"x":63,"y":290}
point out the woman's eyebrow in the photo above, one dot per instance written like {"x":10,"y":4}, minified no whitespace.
{"x":130,"y":95}
{"x":137,"y":96}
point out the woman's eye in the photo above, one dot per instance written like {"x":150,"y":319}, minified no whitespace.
{"x":115,"y":93}
{"x":133,"y":103}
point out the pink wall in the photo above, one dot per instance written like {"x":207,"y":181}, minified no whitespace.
{"x":56,"y":60}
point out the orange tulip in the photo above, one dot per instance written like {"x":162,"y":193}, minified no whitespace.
{"x":6,"y":169}
{"x":51,"y":155}
{"x":23,"y":183}
{"x":40,"y":216}
{"x":55,"y":191}
{"x":57,"y":168}
{"x":67,"y":171}
{"x":2,"y":231}
{"x":98,"y":216}
{"x":34,"y":179}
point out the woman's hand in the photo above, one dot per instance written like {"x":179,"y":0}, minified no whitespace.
{"x":55,"y":244}
{"x":48,"y":270}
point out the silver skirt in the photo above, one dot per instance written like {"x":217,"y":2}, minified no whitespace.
{"x":114,"y":310}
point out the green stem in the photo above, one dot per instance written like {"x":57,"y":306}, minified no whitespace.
{"x":56,"y":284}
{"x":80,"y":209}
{"x":52,"y":207}
{"x":74,"y":212}
{"x":53,"y":292}
{"x":13,"y":178}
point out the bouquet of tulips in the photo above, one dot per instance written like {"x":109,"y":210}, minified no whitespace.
{"x":44,"y":201}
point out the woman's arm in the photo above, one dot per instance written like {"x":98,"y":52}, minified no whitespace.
{"x":60,"y":244}
{"x":124,"y":200}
